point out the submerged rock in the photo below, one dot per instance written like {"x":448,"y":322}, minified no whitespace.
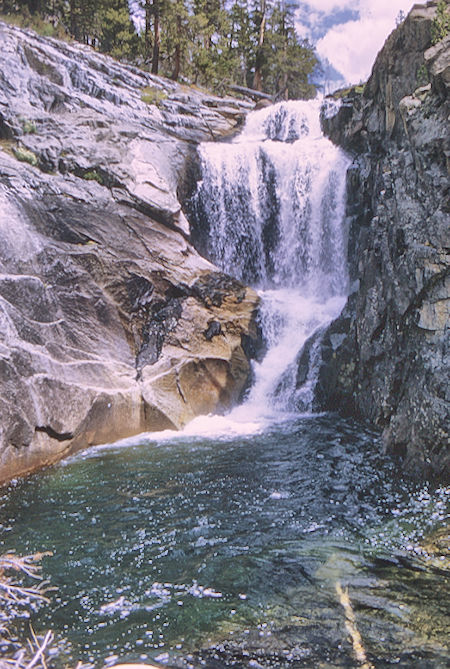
{"x":103,"y":301}
{"x":387,"y":357}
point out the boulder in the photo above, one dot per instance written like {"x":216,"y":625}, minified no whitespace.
{"x":104,"y":303}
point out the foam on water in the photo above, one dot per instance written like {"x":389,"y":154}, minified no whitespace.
{"x":270,"y":210}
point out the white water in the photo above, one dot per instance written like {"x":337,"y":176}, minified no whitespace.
{"x":272,"y":204}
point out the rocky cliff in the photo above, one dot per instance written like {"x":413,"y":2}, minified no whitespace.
{"x":110,"y":322}
{"x":386,"y":358}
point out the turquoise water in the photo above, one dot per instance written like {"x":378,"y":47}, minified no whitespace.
{"x":226,"y":551}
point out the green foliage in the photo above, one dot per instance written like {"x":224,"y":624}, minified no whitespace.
{"x":440,"y":27}
{"x":152,"y":95}
{"x":94,"y":175}
{"x":116,"y":34}
{"x":25,"y":155}
{"x":28,"y":127}
{"x":43,"y":27}
{"x":351,"y":90}
{"x":422,"y":76}
{"x":287,"y":62}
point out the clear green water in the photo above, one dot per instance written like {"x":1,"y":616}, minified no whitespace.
{"x":226,"y":551}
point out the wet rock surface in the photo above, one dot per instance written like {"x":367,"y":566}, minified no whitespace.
{"x":103,"y":301}
{"x":386,"y":358}
{"x":292,"y":646}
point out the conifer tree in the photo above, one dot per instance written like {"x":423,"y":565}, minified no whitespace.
{"x":116,"y":34}
{"x":156,"y":11}
{"x":260,"y":50}
{"x":240,"y":42}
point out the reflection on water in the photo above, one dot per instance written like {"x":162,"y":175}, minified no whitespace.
{"x":226,"y":551}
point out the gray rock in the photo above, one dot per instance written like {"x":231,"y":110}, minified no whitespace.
{"x":103,"y":301}
{"x":390,"y":364}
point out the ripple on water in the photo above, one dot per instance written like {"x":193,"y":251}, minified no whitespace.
{"x":228,"y":550}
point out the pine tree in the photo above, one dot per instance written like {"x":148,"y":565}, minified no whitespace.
{"x":116,"y":34}
{"x":260,"y":56}
{"x":240,"y":43}
{"x":148,"y":41}
{"x":156,"y":11}
{"x":283,"y":63}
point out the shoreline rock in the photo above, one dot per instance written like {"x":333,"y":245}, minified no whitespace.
{"x":386,"y":358}
{"x":104,"y":304}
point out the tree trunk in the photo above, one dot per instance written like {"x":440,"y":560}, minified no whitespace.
{"x":156,"y":38}
{"x":251,"y":92}
{"x":73,"y":19}
{"x":177,"y":63}
{"x":285,"y":45}
{"x":34,"y":6}
{"x":257,"y":78}
{"x":148,"y":31}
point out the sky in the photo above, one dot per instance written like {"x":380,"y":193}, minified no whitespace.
{"x":348,"y":34}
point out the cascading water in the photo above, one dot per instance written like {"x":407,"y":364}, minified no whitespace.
{"x":241,"y":541}
{"x":270,"y":210}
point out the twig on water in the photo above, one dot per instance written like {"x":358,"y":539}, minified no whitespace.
{"x":350,"y":625}
{"x":29,"y":564}
{"x":41,"y":647}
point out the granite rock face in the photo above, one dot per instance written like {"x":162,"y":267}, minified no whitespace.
{"x":111,"y":323}
{"x":386,"y":358}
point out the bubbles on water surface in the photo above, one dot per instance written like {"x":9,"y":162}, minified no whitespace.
{"x":223,"y":543}
{"x":282,"y":514}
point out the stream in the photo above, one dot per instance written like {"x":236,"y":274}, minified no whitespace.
{"x":270,"y":537}
{"x":226,"y":550}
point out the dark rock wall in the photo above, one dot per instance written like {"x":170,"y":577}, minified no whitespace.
{"x":386,"y":359}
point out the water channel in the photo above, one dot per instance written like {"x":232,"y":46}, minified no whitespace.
{"x":271,"y":537}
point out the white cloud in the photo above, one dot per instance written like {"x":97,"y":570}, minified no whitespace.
{"x":328,"y":5}
{"x":352,"y":46}
{"x":303,"y":31}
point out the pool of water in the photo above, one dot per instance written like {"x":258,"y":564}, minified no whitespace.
{"x":238,"y":550}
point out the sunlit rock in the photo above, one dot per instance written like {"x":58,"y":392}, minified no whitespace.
{"x":102,"y":319}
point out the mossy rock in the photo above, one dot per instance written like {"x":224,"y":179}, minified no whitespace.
{"x":28,"y":127}
{"x":438,"y":543}
{"x":94,"y":175}
{"x":152,"y":95}
{"x":350,"y":91}
{"x":25,"y":155}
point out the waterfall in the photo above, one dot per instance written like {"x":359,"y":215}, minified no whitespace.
{"x":270,"y":210}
